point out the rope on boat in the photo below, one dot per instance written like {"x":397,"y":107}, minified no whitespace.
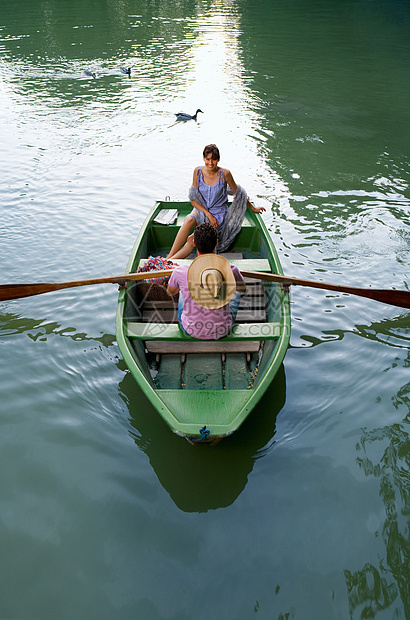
{"x":204,"y":434}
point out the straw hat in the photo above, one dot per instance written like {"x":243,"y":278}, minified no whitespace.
{"x":211,"y":282}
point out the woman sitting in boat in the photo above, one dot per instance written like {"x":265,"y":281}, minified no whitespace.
{"x":209,"y":289}
{"x":209,"y":197}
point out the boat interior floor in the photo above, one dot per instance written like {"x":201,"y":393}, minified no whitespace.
{"x":196,"y":371}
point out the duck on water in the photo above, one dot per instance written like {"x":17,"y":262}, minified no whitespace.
{"x":182,"y":116}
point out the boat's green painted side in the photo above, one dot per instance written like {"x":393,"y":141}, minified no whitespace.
{"x":186,"y":410}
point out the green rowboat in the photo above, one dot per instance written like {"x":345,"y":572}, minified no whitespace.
{"x":203,"y":390}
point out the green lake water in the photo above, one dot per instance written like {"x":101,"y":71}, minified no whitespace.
{"x":305,"y":512}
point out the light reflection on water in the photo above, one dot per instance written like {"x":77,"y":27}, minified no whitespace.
{"x":98,"y":499}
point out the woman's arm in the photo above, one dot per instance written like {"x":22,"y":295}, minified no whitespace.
{"x":211,"y":218}
{"x":195,"y":178}
{"x":255,"y":209}
{"x":234,"y":187}
{"x":229,"y":180}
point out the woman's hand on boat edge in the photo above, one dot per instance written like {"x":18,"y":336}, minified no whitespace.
{"x":255,"y":209}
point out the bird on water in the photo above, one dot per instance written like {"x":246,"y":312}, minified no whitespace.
{"x":126,"y":70}
{"x":89,"y":73}
{"x":182,"y":116}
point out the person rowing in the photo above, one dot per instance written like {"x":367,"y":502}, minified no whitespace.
{"x":209,"y":289}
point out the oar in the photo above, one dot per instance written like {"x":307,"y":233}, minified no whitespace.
{"x":16,"y":291}
{"x":388,"y":296}
{"x":385,"y":295}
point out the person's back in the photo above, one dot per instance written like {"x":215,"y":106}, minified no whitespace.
{"x":209,"y":289}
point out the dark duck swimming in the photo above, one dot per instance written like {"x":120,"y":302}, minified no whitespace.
{"x":182,"y":116}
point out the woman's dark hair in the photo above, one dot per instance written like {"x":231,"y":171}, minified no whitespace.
{"x":212,"y":148}
{"x":205,"y":238}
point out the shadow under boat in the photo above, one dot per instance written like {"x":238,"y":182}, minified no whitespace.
{"x":202,"y":477}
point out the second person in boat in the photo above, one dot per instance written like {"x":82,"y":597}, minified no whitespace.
{"x":209,"y":197}
{"x":209,"y":289}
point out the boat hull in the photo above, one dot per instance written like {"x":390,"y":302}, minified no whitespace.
{"x":204,"y":392}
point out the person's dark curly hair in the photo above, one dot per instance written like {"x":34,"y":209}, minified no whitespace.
{"x":205,"y":238}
